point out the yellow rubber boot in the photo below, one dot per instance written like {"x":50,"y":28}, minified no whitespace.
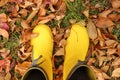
{"x":42,"y":51}
{"x":76,"y":50}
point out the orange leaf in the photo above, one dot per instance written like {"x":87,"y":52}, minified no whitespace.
{"x":3,"y":2}
{"x":104,"y":22}
{"x":2,"y":62}
{"x":3,"y":17}
{"x":105,"y":13}
{"x":22,"y":67}
{"x":4,"y":33}
{"x":115,"y":3}
{"x":111,"y":51}
{"x":114,"y":17}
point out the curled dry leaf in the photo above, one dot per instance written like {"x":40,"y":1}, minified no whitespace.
{"x":115,"y":3}
{"x":33,"y":13}
{"x":105,"y":13}
{"x":42,"y":12}
{"x":104,"y":23}
{"x":5,"y":53}
{"x":92,"y":32}
{"x":2,"y":62}
{"x":62,"y":43}
{"x":116,"y":73}
{"x":3,"y":17}
{"x":116,"y":62}
{"x":59,"y":52}
{"x":4,"y":33}
{"x":86,"y":13}
{"x":109,"y":42}
{"x":2,"y":76}
{"x":3,"y":2}
{"x":61,"y":9}
{"x":91,"y":61}
{"x":23,"y":12}
{"x":111,"y":51}
{"x":105,"y":68}
{"x":98,"y":73}
{"x":101,"y":60}
{"x":24,"y":56}
{"x":114,"y":17}
{"x":105,"y":76}
{"x":54,"y":2}
{"x":22,"y":67}
{"x":43,"y":19}
{"x":27,"y":35}
{"x":8,"y":76}
{"x":27,"y":3}
{"x":24,"y":24}
{"x":67,"y":33}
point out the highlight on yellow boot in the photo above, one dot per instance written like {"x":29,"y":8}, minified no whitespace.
{"x":42,"y":49}
{"x":76,"y":48}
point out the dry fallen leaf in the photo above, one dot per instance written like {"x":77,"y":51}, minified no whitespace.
{"x":24,"y":56}
{"x":33,"y":13}
{"x":86,"y":13}
{"x":22,"y":67}
{"x":2,"y":62}
{"x":27,"y":35}
{"x":104,"y":22}
{"x":3,"y":17}
{"x":2,"y":76}
{"x":3,"y":2}
{"x":116,"y":73}
{"x":105,"y":68}
{"x":109,"y":42}
{"x":62,"y":43}
{"x":92,"y":32}
{"x":8,"y":76}
{"x":24,"y":24}
{"x":61,"y":8}
{"x":116,"y":62}
{"x":105,"y":13}
{"x":59,"y":52}
{"x":42,"y":12}
{"x":114,"y":17}
{"x":111,"y":51}
{"x":7,"y":65}
{"x":105,"y":76}
{"x":23,"y":12}
{"x":115,"y":3}
{"x":5,"y":53}
{"x":4,"y":33}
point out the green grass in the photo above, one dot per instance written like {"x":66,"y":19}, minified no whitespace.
{"x":116,"y":32}
{"x":73,"y":12}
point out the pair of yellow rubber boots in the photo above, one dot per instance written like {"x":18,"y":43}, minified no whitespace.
{"x":75,"y":54}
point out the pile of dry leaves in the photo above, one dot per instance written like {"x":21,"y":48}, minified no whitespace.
{"x":19,"y":17}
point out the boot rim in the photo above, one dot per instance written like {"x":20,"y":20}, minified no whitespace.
{"x":37,"y":68}
{"x":78,"y":66}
